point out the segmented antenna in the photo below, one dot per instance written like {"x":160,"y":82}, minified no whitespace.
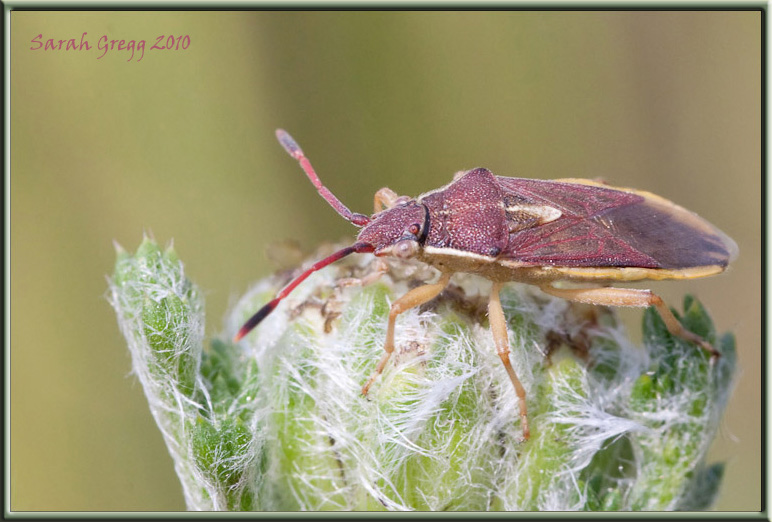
{"x":296,"y":152}
{"x":268,"y":308}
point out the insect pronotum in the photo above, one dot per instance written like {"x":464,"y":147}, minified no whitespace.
{"x":531,"y":231}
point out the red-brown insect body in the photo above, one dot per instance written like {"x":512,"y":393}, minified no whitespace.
{"x":538,"y":232}
{"x":520,"y":223}
{"x":469,"y":215}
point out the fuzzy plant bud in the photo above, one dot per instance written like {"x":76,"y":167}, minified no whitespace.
{"x":202,"y":400}
{"x":278,"y":421}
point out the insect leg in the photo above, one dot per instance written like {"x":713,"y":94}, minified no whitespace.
{"x":384,"y":198}
{"x":380,"y":268}
{"x":631,"y":297}
{"x":415,"y":297}
{"x":500,"y":337}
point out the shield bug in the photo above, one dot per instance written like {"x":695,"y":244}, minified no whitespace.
{"x":531,"y":231}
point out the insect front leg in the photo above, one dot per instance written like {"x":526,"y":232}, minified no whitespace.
{"x":380,"y":268}
{"x":385,"y":198}
{"x":415,"y":297}
{"x":499,"y":329}
{"x":631,"y":297}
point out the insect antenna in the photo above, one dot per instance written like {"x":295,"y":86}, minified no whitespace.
{"x":268,"y":308}
{"x":296,"y":152}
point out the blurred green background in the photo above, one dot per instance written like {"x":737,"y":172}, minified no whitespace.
{"x":181,"y":144}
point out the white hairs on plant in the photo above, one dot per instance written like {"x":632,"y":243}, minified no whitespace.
{"x":278,"y":421}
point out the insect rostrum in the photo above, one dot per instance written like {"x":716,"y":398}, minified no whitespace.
{"x":531,"y":231}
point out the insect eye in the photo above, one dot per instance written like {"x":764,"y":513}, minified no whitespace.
{"x":414,"y":229}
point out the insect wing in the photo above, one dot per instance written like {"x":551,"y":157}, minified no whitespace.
{"x":598,"y":226}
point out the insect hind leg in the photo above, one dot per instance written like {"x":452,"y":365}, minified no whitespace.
{"x":610,"y":296}
{"x":500,"y":337}
{"x":415,"y":297}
